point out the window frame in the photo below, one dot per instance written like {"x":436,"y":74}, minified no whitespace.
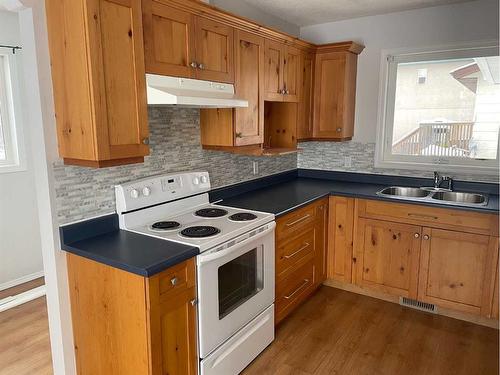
{"x":387,"y":95}
{"x":10,"y":91}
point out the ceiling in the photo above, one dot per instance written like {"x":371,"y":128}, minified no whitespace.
{"x":311,"y":12}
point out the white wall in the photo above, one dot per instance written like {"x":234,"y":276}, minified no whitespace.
{"x":241,"y":8}
{"x":436,"y":26}
{"x":20,"y":248}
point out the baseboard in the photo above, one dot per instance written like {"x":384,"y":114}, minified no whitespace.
{"x":21,"y":280}
{"x":19,"y":299}
{"x":492,"y":323}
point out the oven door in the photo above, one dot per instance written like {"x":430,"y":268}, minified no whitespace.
{"x":235,"y":284}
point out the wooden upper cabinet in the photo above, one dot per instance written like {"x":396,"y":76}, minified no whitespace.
{"x":249,"y":66}
{"x":335,"y":92}
{"x":98,"y":73}
{"x":282,"y":74}
{"x":180,"y":44}
{"x":291,"y":74}
{"x":214,"y":51}
{"x":305,"y":106}
{"x":273,"y":81}
{"x":168,"y":40}
{"x":457,"y":270}
{"x":387,"y":256}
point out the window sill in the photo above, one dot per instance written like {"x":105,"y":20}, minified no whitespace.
{"x":431,"y":167}
{"x":12,"y":168}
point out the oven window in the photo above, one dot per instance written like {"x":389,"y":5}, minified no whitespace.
{"x":239,"y":280}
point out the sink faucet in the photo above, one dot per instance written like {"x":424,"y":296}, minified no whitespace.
{"x":438,"y":180}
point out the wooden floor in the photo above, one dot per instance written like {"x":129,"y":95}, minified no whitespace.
{"x":338,"y":332}
{"x":335,"y":332}
{"x":24,"y":335}
{"x":22,"y":288}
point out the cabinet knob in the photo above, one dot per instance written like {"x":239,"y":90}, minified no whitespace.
{"x":339,"y":130}
{"x":417,"y":235}
{"x":146,"y":141}
{"x":174,"y":281}
{"x":194,"y":64}
{"x":194,"y":302}
{"x":287,"y":92}
{"x":426,"y":237}
{"x":201,"y":66}
{"x":239,"y":135}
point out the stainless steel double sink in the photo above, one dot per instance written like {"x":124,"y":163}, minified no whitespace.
{"x":432,"y":195}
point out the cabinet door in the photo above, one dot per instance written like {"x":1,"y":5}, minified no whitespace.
{"x":172,"y":318}
{"x":388,"y":257}
{"x":321,"y":242}
{"x":273,"y":82}
{"x":340,"y":242}
{"x":304,"y":121}
{"x":168,"y":40}
{"x":335,"y":92}
{"x":457,"y":269}
{"x":291,"y":74}
{"x":494,"y":306}
{"x":214,"y":51}
{"x":120,"y":86}
{"x":249,"y":79}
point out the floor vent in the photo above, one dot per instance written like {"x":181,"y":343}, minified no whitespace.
{"x":414,"y":304}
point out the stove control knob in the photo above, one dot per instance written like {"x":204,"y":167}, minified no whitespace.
{"x":203,"y":179}
{"x":146,"y":191}
{"x":196,"y":181}
{"x":134,"y":193}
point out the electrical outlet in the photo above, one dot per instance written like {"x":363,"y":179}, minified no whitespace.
{"x":347,"y":162}
{"x":255,"y":167}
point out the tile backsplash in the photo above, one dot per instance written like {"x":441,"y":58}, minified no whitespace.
{"x":330,"y":156}
{"x":175,"y":146}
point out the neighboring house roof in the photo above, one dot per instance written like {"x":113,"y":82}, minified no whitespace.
{"x":461,"y":75}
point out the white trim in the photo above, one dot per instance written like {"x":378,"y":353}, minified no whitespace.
{"x":13,"y":120}
{"x":386,"y":112}
{"x":39,"y":109}
{"x":21,"y":298}
{"x":21,"y":280}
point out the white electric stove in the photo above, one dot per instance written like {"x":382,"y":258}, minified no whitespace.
{"x":235,"y":268}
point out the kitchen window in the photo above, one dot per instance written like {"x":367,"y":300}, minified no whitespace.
{"x":440,"y":110}
{"x":10,"y":124}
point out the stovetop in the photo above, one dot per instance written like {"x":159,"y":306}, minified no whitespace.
{"x":203,"y":232}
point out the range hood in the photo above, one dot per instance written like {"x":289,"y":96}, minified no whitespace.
{"x":187,"y":92}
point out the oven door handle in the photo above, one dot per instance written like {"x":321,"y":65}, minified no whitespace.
{"x":222,"y":253}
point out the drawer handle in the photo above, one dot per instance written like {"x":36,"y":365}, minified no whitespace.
{"x":298,"y":220}
{"x":306,"y":245}
{"x":174,"y":281}
{"x":423,"y":216}
{"x":306,"y":281}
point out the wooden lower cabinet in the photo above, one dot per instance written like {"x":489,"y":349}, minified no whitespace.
{"x":388,"y":256}
{"x":457,"y":270}
{"x":340,"y":241}
{"x":495,"y":303}
{"x":133,"y":325}
{"x":445,"y":257}
{"x":301,"y":244}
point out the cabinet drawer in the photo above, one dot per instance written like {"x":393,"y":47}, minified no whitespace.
{"x":453,"y":219}
{"x":291,"y":291}
{"x":295,"y":222}
{"x":177,"y":278}
{"x":293,"y":252}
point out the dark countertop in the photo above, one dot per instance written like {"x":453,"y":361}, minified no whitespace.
{"x":101,"y":240}
{"x":283,"y":197}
